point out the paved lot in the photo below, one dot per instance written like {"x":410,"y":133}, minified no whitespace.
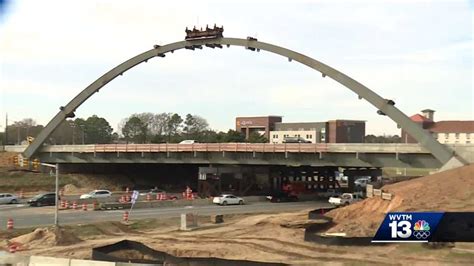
{"x":25,"y":216}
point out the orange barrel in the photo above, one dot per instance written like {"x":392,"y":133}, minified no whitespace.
{"x":12,"y":248}
{"x":10,"y":223}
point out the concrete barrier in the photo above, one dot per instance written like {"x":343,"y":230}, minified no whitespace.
{"x":50,"y":261}
{"x":386,"y":196}
{"x":75,"y":262}
{"x":377,"y":192}
{"x":13,"y":259}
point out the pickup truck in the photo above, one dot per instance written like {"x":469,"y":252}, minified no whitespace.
{"x":344,"y":199}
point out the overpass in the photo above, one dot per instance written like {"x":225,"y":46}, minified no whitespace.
{"x":294,"y":154}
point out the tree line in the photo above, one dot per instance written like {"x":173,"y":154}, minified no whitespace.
{"x":140,"y":128}
{"x":137,"y":128}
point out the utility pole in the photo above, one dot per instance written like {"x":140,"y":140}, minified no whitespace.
{"x":6,"y":129}
{"x":56,"y":167}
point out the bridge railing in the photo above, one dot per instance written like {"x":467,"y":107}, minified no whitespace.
{"x":210,"y":147}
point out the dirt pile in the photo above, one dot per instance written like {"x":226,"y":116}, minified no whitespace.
{"x":42,"y":237}
{"x":451,"y":190}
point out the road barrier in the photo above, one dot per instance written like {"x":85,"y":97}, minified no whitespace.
{"x":12,"y":248}
{"x":148,"y":197}
{"x":66,"y":205}
{"x":370,"y":191}
{"x":9,"y":224}
{"x":386,"y":196}
{"x":74,"y":205}
{"x":377,"y":192}
{"x":125,"y":216}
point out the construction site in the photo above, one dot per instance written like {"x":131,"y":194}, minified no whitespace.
{"x":274,"y":237}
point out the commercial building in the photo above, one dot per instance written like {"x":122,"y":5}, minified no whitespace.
{"x":446,"y":132}
{"x":260,"y":124}
{"x":332,"y":131}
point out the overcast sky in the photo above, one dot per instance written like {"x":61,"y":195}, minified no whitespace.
{"x":418,"y":53}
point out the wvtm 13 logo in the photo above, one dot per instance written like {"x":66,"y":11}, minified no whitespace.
{"x":408,"y":227}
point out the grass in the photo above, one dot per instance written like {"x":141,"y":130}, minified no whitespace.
{"x":30,"y":181}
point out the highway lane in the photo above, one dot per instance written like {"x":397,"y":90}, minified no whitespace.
{"x":33,"y":216}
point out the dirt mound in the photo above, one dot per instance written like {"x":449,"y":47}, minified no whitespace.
{"x":451,"y":190}
{"x":41,"y":237}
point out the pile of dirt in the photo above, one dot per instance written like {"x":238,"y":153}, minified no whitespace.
{"x":451,"y":190}
{"x":42,"y":237}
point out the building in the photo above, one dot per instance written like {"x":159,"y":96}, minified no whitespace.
{"x":260,"y":124}
{"x":332,"y":131}
{"x":314,"y":132}
{"x":446,"y":132}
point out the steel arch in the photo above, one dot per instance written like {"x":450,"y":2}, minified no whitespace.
{"x":441,"y":152}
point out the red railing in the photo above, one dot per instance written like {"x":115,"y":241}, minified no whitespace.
{"x":214,"y":147}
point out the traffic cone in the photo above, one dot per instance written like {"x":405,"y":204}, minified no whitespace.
{"x":158,"y":197}
{"x":9,"y":224}
{"x":127,"y":190}
{"x":84,"y":206}
{"x":74,"y":205}
{"x":66,"y":204}
{"x":63,"y":204}
{"x":94,"y":205}
{"x":125,"y":216}
{"x":127,"y":198}
{"x":12,"y":248}
{"x":148,"y":197}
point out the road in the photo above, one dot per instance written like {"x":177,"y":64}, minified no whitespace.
{"x":24,"y":216}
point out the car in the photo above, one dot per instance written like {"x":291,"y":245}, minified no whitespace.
{"x":295,"y":140}
{"x":44,"y":199}
{"x":282,"y":197}
{"x":362,"y":182}
{"x":152,"y":191}
{"x":6,"y":198}
{"x":329,"y":193}
{"x":228,"y":199}
{"x":188,"y":141}
{"x":96,"y":194}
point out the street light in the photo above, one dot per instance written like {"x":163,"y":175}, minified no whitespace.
{"x":55,"y":166}
{"x":73,"y":125}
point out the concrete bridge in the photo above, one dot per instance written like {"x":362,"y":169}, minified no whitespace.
{"x":297,"y":154}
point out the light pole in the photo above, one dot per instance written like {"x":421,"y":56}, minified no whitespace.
{"x":55,"y":166}
{"x":73,"y":125}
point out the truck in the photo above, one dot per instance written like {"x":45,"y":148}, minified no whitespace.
{"x":345,"y":199}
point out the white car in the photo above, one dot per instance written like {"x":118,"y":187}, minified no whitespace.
{"x":96,"y":194}
{"x":228,"y":199}
{"x":6,"y":198}
{"x":188,"y":141}
{"x":362,"y":182}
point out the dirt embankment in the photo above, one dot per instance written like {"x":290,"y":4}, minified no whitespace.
{"x":451,"y":190}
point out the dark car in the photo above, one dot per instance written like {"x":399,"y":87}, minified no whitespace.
{"x":282,"y":197}
{"x":46,"y":199}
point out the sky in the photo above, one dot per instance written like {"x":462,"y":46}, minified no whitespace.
{"x":418,"y":53}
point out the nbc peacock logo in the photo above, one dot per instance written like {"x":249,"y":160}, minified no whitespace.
{"x":421,"y":229}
